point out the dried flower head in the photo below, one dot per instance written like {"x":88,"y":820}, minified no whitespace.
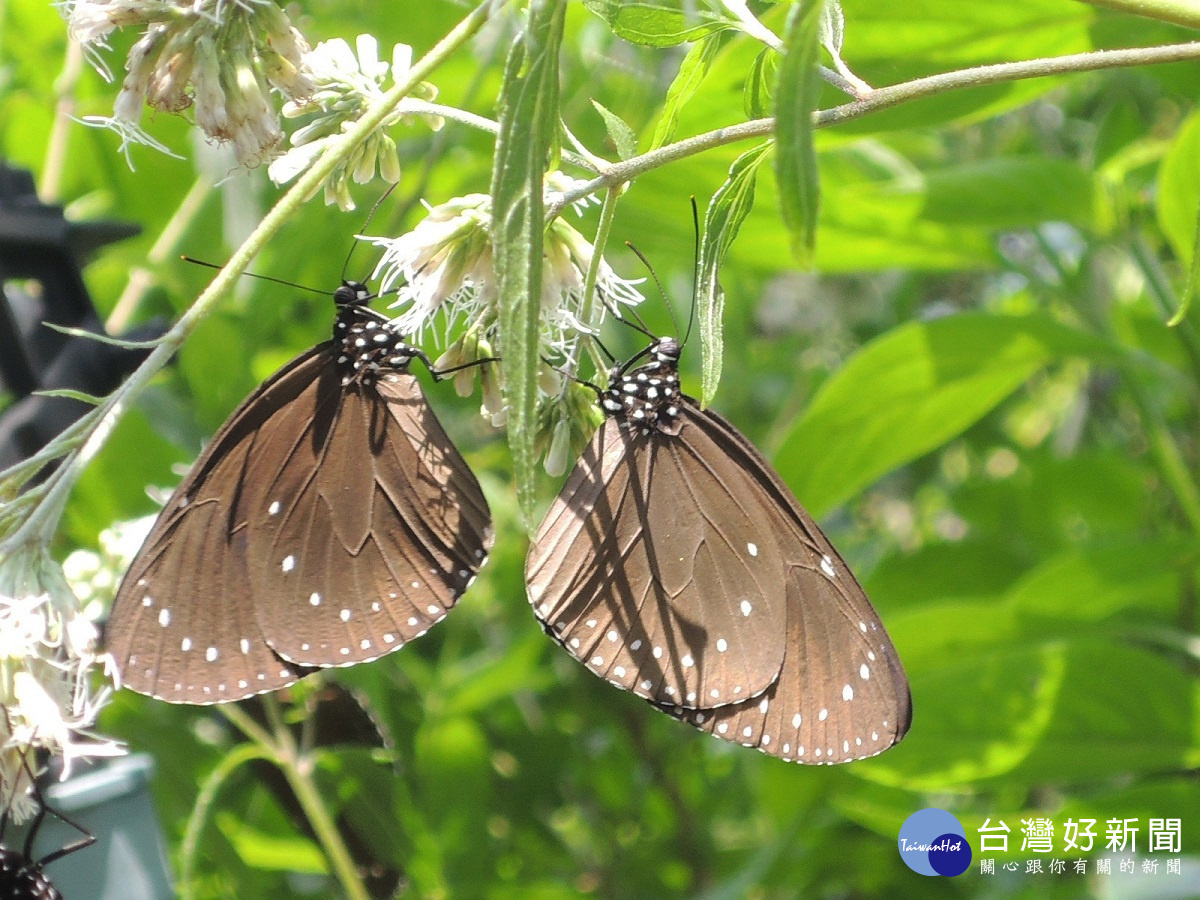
{"x":223,"y":58}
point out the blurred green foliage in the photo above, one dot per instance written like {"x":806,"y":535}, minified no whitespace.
{"x":975,"y":390}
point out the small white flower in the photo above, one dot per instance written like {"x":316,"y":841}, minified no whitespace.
{"x":47,"y":650}
{"x":444,"y":266}
{"x":345,"y":83}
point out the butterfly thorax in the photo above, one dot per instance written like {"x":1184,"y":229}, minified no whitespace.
{"x":20,"y":878}
{"x":648,"y":396}
{"x":367,"y":343}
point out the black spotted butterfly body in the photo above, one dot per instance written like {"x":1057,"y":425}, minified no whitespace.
{"x":677,"y":564}
{"x":329,"y":521}
{"x":21,"y":876}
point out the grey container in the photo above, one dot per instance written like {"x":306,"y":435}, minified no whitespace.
{"x":128,"y":861}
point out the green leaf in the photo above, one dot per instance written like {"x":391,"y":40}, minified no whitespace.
{"x":528,"y":119}
{"x":1193,"y":279}
{"x":726,"y":211}
{"x":102,"y":338}
{"x":1178,"y":192}
{"x":796,"y":98}
{"x":1139,"y":581}
{"x":281,"y":853}
{"x":688,"y":80}
{"x":912,"y":390}
{"x":1054,"y":712}
{"x":1010,"y":192}
{"x":655,"y":23}
{"x":71,"y":394}
{"x":621,"y":134}
{"x":760,"y":84}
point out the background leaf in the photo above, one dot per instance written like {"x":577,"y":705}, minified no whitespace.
{"x":796,"y":98}
{"x":911,"y":391}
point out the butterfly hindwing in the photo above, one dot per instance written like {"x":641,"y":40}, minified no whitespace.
{"x":183,"y":605}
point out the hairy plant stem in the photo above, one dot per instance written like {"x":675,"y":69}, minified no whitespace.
{"x":881,"y":98}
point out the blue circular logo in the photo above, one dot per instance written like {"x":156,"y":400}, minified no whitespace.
{"x":933,"y":842}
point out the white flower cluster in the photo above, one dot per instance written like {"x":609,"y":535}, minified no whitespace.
{"x":444,"y":266}
{"x":47,"y":653}
{"x":346,"y":83}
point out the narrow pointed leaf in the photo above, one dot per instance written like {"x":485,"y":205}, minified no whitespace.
{"x":795,"y":99}
{"x":726,"y":211}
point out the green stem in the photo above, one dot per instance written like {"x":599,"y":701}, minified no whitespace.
{"x":296,"y":766}
{"x":43,"y":522}
{"x":1159,"y":287}
{"x":1168,"y":456}
{"x":141,"y":278}
{"x":204,"y":802}
{"x":297,"y":769}
{"x":607,"y":213}
{"x":882,"y":98}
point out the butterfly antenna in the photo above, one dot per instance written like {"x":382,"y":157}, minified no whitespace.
{"x":291,"y":284}
{"x":599,"y":343}
{"x":662,"y":293}
{"x":695,"y":268}
{"x":365,"y":226}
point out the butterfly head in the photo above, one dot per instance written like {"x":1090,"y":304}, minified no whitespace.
{"x":648,"y":396}
{"x":351,"y":293}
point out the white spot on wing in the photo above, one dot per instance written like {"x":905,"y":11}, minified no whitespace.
{"x":164,"y":617}
{"x":314,"y":598}
{"x":289,"y":563}
{"x":752,"y":548}
{"x":847,"y":693}
{"x":823,"y":715}
{"x":186,"y":644}
{"x":211,"y":654}
{"x":722,"y":645}
{"x":746,"y":607}
{"x":273,"y":509}
{"x":863,"y":672}
{"x":827,"y":566}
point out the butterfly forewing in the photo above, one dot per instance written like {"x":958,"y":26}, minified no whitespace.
{"x":183,"y":604}
{"x":673,"y":524}
{"x":329,"y":521}
{"x":653,"y":573}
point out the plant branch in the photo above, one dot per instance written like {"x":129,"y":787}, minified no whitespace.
{"x":879,"y":99}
